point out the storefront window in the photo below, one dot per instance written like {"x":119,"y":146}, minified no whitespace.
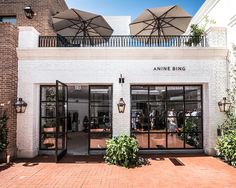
{"x":100,"y":116}
{"x":164,"y":117}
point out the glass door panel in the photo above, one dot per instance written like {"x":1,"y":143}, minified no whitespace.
{"x":100,"y":116}
{"x":61,"y":120}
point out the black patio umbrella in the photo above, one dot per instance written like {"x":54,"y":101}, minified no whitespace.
{"x":88,"y":27}
{"x":163,"y":21}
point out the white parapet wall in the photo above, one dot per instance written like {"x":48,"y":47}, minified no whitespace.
{"x":37,"y":66}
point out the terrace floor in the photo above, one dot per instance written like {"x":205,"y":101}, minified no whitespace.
{"x":83,"y":171}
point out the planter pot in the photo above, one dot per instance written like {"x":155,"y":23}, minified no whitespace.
{"x":49,"y":129}
{"x":3,"y":157}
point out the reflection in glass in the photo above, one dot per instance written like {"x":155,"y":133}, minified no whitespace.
{"x":48,"y":93}
{"x":157,"y":116}
{"x":142,"y":140}
{"x":175,"y":93}
{"x":192,"y":92}
{"x":100,"y":115}
{"x":166,"y":111}
{"x":157,"y":93}
{"x":193,"y":140}
{"x":175,"y":140}
{"x":193,"y":109}
{"x":158,"y":141}
{"x":139,"y":93}
{"x":98,"y":140}
{"x":48,"y":109}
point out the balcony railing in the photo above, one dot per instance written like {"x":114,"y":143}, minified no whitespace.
{"x":123,"y":41}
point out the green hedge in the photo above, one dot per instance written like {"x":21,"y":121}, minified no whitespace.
{"x":226,"y":146}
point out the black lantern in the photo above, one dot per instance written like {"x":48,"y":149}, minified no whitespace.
{"x":29,"y":13}
{"x":224,"y":105}
{"x":121,"y":106}
{"x":20,"y":106}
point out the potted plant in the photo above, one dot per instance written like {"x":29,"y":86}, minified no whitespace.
{"x":197,"y":32}
{"x":3,"y":135}
{"x":49,"y":126}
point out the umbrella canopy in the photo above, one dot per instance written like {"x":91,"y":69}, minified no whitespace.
{"x":163,"y":21}
{"x":77,"y":23}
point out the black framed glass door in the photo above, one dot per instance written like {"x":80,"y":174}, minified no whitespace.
{"x":61,"y":120}
{"x":100,"y":116}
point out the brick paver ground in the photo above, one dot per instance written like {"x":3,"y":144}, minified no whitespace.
{"x":198,"y":171}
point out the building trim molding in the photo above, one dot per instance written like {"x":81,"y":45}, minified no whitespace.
{"x":121,"y":53}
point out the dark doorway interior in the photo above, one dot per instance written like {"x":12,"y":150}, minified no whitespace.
{"x":78,"y":119}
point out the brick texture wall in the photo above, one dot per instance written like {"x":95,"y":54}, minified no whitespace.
{"x":43,"y":9}
{"x":42,"y":21}
{"x":8,"y":77}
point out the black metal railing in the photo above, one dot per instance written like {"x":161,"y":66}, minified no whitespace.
{"x":123,"y":41}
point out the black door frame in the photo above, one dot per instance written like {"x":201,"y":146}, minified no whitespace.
{"x":58,"y":155}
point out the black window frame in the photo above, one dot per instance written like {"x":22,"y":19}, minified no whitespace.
{"x":184,"y":101}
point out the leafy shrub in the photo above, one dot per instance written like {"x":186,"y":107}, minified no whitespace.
{"x":226,"y":145}
{"x":196,"y":34}
{"x":3,"y":132}
{"x":123,"y":151}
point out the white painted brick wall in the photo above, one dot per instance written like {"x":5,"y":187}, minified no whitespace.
{"x":32,"y":73}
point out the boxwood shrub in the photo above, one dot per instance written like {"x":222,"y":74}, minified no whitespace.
{"x":123,"y":151}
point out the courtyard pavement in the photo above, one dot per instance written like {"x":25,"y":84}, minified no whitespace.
{"x":78,"y":171}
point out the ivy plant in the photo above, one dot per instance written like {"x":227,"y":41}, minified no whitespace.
{"x":226,"y":144}
{"x":3,"y":131}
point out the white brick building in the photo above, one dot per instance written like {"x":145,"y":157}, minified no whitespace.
{"x":204,"y":68}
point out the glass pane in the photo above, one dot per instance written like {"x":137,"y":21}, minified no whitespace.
{"x":193,"y":109}
{"x":48,"y":141}
{"x":175,"y":93}
{"x":157,"y":116}
{"x":61,"y":109}
{"x":158,"y":141}
{"x":102,"y":124}
{"x":193,"y":124}
{"x":139,"y":93}
{"x":140,"y":116}
{"x":62,"y":94}
{"x":48,"y":109}
{"x":175,"y":116}
{"x":100,"y":116}
{"x":142,"y":140}
{"x":193,"y":140}
{"x":100,"y":93}
{"x":48,"y":125}
{"x":98,"y":140}
{"x":48,"y":93}
{"x":175,"y":140}
{"x":61,"y":141}
{"x":192,"y":92}
{"x":96,"y":111}
{"x":157,"y":93}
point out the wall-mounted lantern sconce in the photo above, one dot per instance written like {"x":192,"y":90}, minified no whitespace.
{"x":20,"y":106}
{"x":29,"y":13}
{"x":224,"y":105}
{"x":121,"y":106}
{"x":121,"y":79}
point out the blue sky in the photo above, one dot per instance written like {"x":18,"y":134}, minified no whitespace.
{"x":130,"y":7}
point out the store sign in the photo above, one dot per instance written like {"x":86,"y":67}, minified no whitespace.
{"x":169,"y":68}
